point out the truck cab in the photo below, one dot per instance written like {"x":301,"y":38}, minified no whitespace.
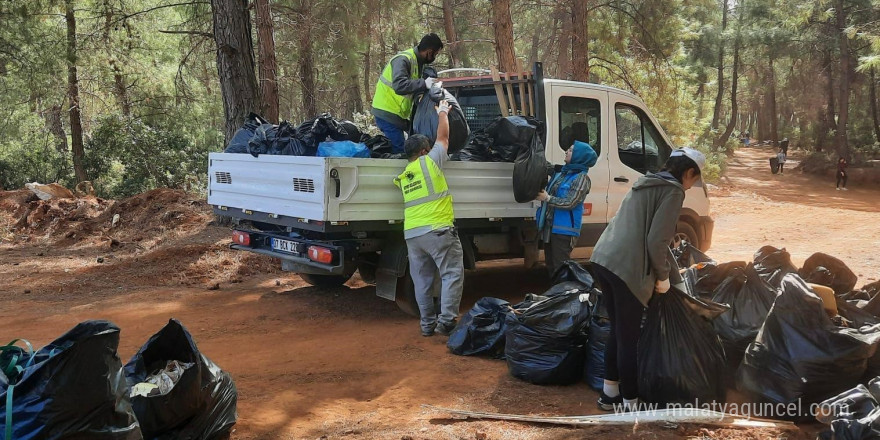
{"x":342,"y":215}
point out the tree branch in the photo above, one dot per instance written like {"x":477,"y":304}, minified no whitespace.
{"x":200,"y":33}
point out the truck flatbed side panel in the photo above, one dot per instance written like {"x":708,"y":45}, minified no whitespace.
{"x":350,"y":189}
{"x":280,"y":185}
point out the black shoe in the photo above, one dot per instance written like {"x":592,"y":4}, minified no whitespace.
{"x":609,"y":403}
{"x":445,"y":329}
{"x":429,"y":332}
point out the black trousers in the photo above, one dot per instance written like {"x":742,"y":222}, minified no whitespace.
{"x":558,"y":251}
{"x":625,"y":312}
{"x":841,"y":177}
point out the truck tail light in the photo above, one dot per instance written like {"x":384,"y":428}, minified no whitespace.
{"x":242,"y":238}
{"x":320,"y":254}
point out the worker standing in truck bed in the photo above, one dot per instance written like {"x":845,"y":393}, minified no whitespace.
{"x":400,"y":80}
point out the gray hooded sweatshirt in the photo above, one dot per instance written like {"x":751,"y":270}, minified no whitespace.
{"x":635,"y":245}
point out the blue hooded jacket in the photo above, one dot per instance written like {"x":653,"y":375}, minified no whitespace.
{"x":568,"y":221}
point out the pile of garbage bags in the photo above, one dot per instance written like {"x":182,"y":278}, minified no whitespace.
{"x":76,"y":387}
{"x":502,"y":140}
{"x":321,"y":136}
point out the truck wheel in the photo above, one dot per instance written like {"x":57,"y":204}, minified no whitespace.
{"x":405,"y":298}
{"x":324,"y":280}
{"x":684,"y":231}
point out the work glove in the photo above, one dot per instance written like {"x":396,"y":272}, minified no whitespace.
{"x":433,"y":82}
{"x":661,"y":286}
{"x":443,"y":107}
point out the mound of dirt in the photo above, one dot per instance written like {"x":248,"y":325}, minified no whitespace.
{"x":90,"y":220}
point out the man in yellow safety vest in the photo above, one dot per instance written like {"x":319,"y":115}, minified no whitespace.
{"x":431,"y":239}
{"x":400,"y":80}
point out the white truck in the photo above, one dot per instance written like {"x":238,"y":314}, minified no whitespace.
{"x":325,"y":218}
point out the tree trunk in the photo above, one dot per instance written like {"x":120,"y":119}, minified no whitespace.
{"x":503,"y":27}
{"x":874,"y":116}
{"x":455,"y":47}
{"x":720,"y":96}
{"x":826,"y":114}
{"x":734,"y":109}
{"x":76,"y":131}
{"x":235,"y":62}
{"x":774,"y":117}
{"x":840,"y":140}
{"x":307,"y":62}
{"x":268,"y":65}
{"x":55,"y":126}
{"x":119,"y":88}
{"x":580,"y":49}
{"x":701,"y":92}
{"x":374,"y":22}
{"x":563,"y":60}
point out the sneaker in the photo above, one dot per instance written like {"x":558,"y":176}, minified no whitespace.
{"x":429,"y":332}
{"x":844,"y":188}
{"x":609,"y":403}
{"x":445,"y":329}
{"x":838,"y":188}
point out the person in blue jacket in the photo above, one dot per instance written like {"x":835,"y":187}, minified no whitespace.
{"x":562,"y":205}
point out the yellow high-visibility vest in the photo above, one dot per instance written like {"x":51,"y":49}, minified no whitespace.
{"x":386,"y":98}
{"x":426,"y":198}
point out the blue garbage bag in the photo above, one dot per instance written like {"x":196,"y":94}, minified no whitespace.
{"x":343,"y":149}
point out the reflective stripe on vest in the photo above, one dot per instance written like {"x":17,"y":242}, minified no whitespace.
{"x":386,"y":98}
{"x":426,"y":198}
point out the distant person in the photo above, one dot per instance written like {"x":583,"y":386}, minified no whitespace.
{"x":784,"y":145}
{"x":780,"y":157}
{"x":631,"y":262}
{"x":400,"y":80}
{"x":562,"y":205}
{"x":746,"y":139}
{"x":431,"y":239}
{"x":841,"y":174}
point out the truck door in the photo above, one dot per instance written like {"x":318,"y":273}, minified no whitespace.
{"x":638,"y":147}
{"x":576,"y":113}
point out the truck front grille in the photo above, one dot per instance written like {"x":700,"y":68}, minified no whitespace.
{"x":223,"y":177}
{"x":303,"y":185}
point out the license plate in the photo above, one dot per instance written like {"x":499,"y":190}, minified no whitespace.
{"x":285,"y":245}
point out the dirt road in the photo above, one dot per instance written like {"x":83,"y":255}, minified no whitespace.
{"x":312,"y":363}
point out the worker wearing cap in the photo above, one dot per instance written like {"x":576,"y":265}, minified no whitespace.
{"x":400,"y":80}
{"x":631,"y":263}
{"x":431,"y":239}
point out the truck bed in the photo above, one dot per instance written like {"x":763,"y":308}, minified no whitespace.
{"x":350,"y":189}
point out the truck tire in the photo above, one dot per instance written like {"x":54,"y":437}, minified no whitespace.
{"x":684,"y":231}
{"x":324,"y":280}
{"x":405,"y":298}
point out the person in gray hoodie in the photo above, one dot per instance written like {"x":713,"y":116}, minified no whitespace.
{"x":630,"y":264}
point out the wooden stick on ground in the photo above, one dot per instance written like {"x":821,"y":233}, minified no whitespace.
{"x":675,"y":416}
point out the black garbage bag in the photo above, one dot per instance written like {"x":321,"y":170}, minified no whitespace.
{"x":201,"y":405}
{"x":835,"y":275}
{"x":545,"y":338}
{"x":481,"y":330}
{"x":774,"y":165}
{"x":600,"y":331}
{"x":529,"y":171}
{"x":73,"y":388}
{"x":853,"y":414}
{"x":348,"y":131}
{"x":275,"y":140}
{"x":477,"y":149}
{"x":681,"y":360}
{"x":426,"y":119}
{"x":502,"y":153}
{"x":239,"y":141}
{"x":773,"y":264}
{"x":515,"y":130}
{"x":750,"y":299}
{"x":800,"y":355}
{"x":686,"y":255}
{"x":703,"y":278}
{"x":571,"y":270}
{"x":314,"y":131}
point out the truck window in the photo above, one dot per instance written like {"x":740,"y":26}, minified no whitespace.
{"x":579,"y":119}
{"x":639,"y":143}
